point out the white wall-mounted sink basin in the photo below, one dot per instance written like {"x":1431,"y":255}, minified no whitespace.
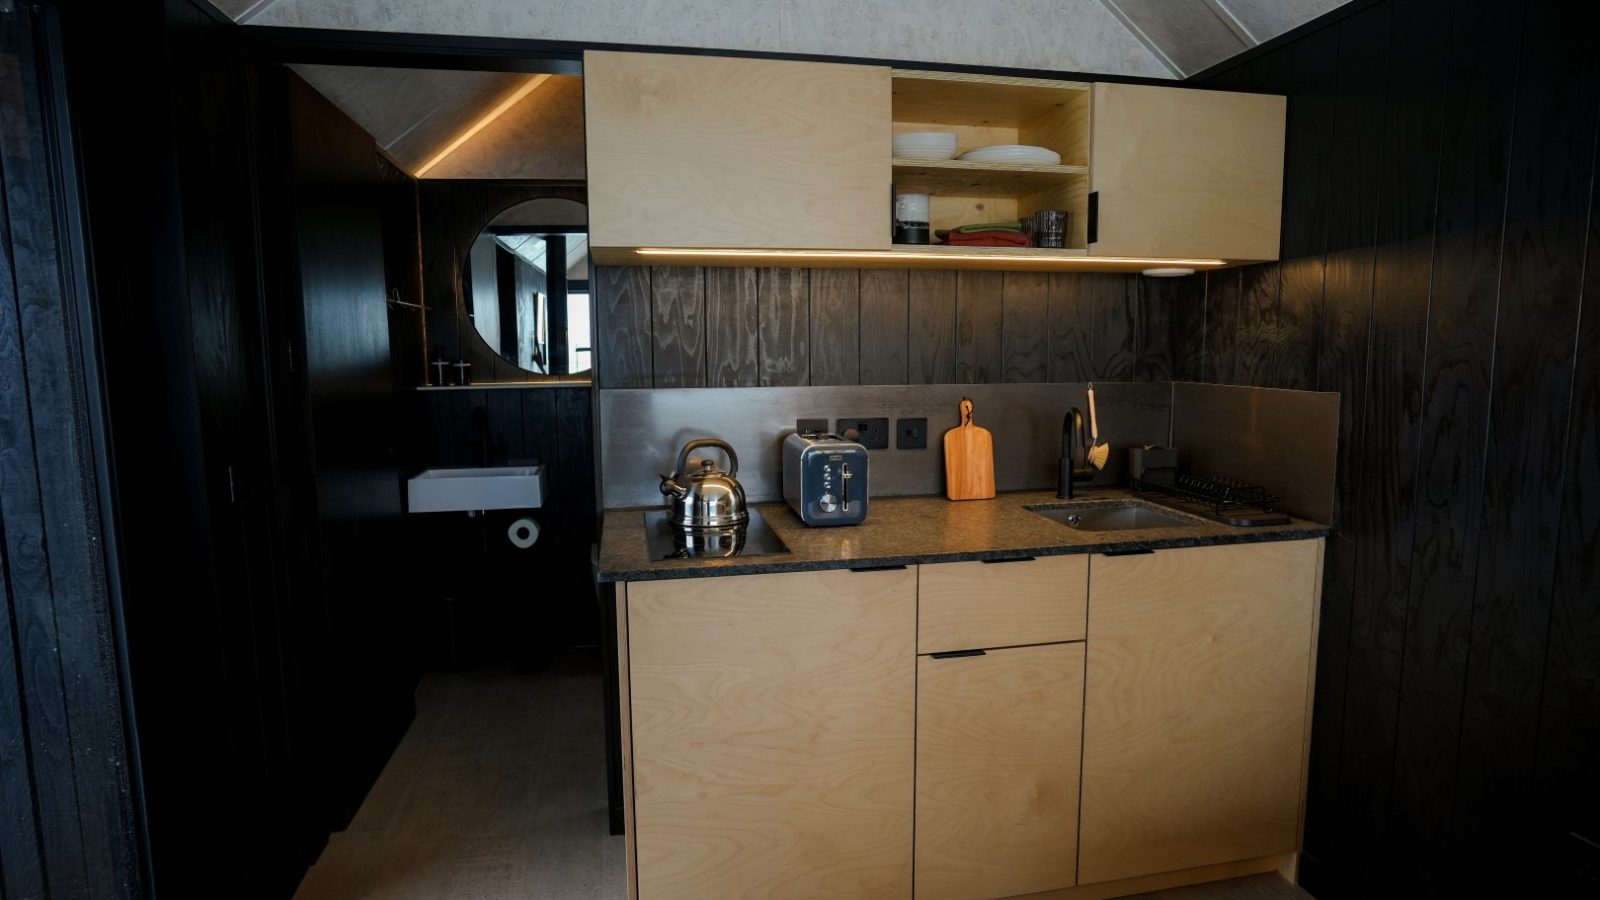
{"x":465,"y":489}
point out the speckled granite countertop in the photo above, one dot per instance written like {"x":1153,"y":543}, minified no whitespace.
{"x":914,"y":530}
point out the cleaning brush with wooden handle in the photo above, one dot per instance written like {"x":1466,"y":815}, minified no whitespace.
{"x":1098,"y":452}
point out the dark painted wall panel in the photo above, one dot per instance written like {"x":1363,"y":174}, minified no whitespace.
{"x":1438,"y":237}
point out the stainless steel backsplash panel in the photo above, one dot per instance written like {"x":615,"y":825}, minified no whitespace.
{"x":641,"y":431}
{"x":1286,"y":441}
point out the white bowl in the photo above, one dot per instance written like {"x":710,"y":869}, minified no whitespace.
{"x":925,"y":145}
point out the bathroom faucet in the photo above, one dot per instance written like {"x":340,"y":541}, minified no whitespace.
{"x":1074,"y":454}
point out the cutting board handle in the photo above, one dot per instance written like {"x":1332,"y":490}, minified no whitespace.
{"x":966,"y":413}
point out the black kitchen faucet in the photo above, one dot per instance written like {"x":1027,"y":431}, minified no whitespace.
{"x":1074,"y":453}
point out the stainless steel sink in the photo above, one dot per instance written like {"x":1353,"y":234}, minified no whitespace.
{"x":1126,"y":516}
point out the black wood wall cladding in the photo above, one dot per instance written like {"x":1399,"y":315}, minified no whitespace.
{"x":66,"y":822}
{"x":342,"y":391}
{"x":673,"y":327}
{"x":1439,"y":236}
{"x":484,"y":599}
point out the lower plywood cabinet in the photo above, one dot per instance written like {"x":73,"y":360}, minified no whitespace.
{"x":772,"y":735}
{"x":997,"y":771}
{"x":1196,"y":706}
{"x":783,"y":739}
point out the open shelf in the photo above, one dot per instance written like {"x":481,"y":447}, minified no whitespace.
{"x":959,"y":177}
{"x":966,"y":99}
{"x":983,"y":110}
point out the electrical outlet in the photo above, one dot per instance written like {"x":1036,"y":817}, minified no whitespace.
{"x":872,"y":434}
{"x":811,"y":426}
{"x":911,"y":434}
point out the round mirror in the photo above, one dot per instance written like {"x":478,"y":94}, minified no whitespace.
{"x":527,"y":286}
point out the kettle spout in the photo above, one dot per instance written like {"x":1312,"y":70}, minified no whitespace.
{"x":671,"y":488}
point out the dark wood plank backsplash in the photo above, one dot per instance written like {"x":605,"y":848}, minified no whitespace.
{"x":669,"y":327}
{"x":1438,"y":235}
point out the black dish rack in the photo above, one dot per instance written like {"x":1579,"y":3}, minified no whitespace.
{"x":1224,"y":499}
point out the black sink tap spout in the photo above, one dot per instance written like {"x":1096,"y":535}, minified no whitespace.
{"x":1074,"y":453}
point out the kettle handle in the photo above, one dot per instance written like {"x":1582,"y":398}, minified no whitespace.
{"x":696,"y":444}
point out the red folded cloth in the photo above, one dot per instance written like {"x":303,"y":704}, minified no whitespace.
{"x":988,"y":239}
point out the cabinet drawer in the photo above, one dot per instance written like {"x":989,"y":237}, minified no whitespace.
{"x":970,"y":605}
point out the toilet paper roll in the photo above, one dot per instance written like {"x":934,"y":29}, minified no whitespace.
{"x":523,"y":532}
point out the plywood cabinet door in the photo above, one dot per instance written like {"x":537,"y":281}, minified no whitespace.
{"x":1195,"y":706}
{"x":997,"y":772}
{"x":707,"y":151}
{"x":772,"y":735}
{"x":1186,"y":173}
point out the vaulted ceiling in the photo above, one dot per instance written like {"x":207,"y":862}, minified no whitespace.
{"x":449,"y":124}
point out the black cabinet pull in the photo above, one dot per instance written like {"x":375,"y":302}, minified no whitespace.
{"x":996,"y":562}
{"x":1129,"y":552}
{"x":1092,"y":226}
{"x":957,"y":654}
{"x":877,"y":568}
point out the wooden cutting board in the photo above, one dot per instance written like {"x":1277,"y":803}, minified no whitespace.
{"x":968,"y":459}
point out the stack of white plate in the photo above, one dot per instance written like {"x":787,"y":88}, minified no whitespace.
{"x":1021,"y":154}
{"x":925,"y":145}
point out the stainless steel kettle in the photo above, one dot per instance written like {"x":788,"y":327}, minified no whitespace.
{"x":705,"y":497}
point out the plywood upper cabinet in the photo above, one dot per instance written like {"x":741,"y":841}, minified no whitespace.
{"x":1187,"y":173}
{"x":771,"y":729}
{"x":997,"y":772}
{"x":1196,"y":706}
{"x":707,"y":151}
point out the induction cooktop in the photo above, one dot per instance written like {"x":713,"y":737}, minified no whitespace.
{"x":667,"y":541}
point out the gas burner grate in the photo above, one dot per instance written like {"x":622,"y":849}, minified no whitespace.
{"x":1220,"y":495}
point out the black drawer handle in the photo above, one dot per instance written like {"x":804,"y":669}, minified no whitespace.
{"x":1129,"y":552}
{"x":878,"y":569}
{"x":996,"y":562}
{"x":957,"y":654}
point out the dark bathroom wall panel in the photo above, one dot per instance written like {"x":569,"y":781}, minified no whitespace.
{"x":1025,"y":327}
{"x":731,"y":349}
{"x":931,"y":352}
{"x":622,"y":338}
{"x":783,"y":326}
{"x":678,"y":326}
{"x":979,"y":317}
{"x":885,"y":326}
{"x":450,"y":214}
{"x":835,"y":326}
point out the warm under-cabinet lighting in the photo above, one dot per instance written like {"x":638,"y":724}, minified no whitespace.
{"x":901,"y":255}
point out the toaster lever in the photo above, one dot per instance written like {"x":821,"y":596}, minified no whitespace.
{"x":844,"y":486}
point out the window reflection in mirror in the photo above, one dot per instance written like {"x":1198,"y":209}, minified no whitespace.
{"x":527,"y":286}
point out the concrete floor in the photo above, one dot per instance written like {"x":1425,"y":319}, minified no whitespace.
{"x":498,"y":792}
